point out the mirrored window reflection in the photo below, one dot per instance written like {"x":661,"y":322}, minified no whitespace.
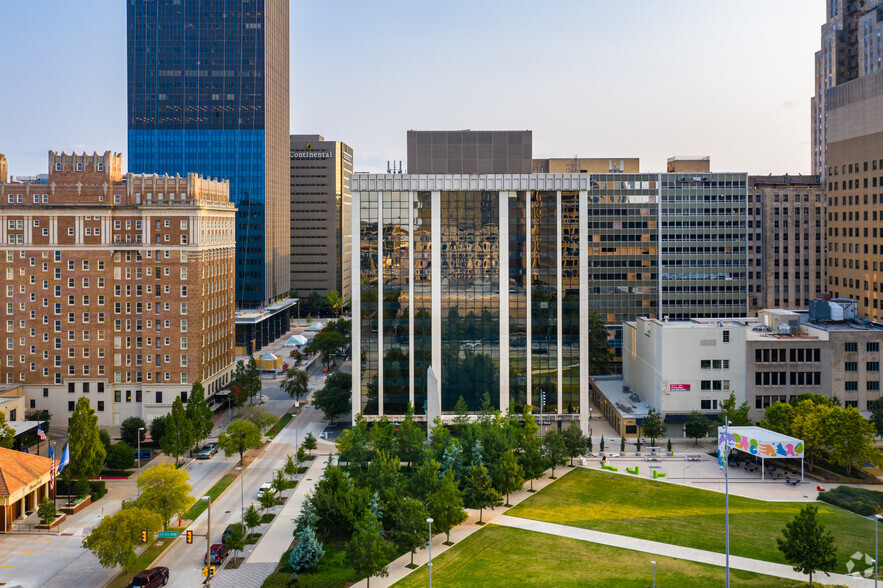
{"x":368,"y":266}
{"x":396,"y":350}
{"x":422,"y":302}
{"x":544,"y":300}
{"x":518,"y":300}
{"x":570,"y":302}
{"x":470,"y":298}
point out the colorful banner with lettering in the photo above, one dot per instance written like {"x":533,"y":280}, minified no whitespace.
{"x":760,"y":442}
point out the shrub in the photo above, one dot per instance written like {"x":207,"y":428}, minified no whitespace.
{"x":97,"y":489}
{"x":120,"y":457}
{"x":858,"y":500}
{"x":81,"y":488}
{"x":277,"y":580}
{"x":46,"y":511}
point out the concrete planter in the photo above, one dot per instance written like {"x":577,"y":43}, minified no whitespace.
{"x":72,"y":510}
{"x":58,"y":520}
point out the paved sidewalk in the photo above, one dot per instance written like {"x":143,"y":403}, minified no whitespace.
{"x":676,"y":551}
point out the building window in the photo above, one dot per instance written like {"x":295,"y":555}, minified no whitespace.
{"x":117,"y":395}
{"x":726,"y":336}
{"x":850,"y":386}
{"x":705,"y":385}
{"x":873,"y":346}
{"x":705,"y":404}
{"x":873,"y":385}
{"x":850,"y":347}
{"x":873,"y":366}
{"x":850,"y":366}
{"x":70,"y":387}
{"x":159,"y":396}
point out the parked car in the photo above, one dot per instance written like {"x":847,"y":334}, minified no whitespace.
{"x":150,"y":578}
{"x":219,"y":553}
{"x":228,"y":531}
{"x":265,"y":488}
{"x":207,"y":451}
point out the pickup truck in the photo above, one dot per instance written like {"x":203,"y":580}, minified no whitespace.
{"x":151,"y":578}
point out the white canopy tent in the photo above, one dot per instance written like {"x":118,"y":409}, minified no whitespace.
{"x":296,"y":341}
{"x":316,"y":326}
{"x":761,"y":443}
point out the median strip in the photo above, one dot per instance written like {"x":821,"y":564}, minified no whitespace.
{"x":214,"y":492}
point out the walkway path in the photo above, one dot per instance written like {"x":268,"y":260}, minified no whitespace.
{"x":676,"y":551}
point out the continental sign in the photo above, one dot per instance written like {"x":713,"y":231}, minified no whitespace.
{"x":310,"y":155}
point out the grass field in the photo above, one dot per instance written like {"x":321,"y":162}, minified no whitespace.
{"x":681,"y":515}
{"x":495,"y":556}
{"x":200,"y":505}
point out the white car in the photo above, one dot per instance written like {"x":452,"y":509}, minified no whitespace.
{"x":266,"y":488}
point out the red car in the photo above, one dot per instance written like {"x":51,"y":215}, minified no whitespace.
{"x":151,"y":578}
{"x":219,"y":554}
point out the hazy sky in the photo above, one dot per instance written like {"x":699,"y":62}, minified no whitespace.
{"x":611,"y":78}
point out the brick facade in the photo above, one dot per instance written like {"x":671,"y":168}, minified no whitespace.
{"x":120,"y":288}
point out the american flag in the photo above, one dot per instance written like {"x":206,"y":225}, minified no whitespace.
{"x":51,"y":469}
{"x":41,"y":434}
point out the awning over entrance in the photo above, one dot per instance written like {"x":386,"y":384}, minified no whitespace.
{"x":761,"y":443}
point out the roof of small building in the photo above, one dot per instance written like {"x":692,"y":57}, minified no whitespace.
{"x":18,"y":469}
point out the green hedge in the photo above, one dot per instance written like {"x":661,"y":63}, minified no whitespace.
{"x":858,"y":500}
{"x":97,"y":489}
{"x":277,"y":581}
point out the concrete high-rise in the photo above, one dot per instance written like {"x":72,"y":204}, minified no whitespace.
{"x":208,"y":93}
{"x":850,"y":49}
{"x":321,"y":223}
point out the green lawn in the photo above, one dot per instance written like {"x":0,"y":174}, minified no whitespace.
{"x":280,"y":424}
{"x":200,"y":505}
{"x":681,"y":515}
{"x":495,"y":556}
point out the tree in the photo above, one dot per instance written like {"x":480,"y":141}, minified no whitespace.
{"x":46,"y":511}
{"x":426,"y":480}
{"x":267,"y":499}
{"x":478,"y":491}
{"x":335,"y":302}
{"x":7,"y":433}
{"x":178,"y":437}
{"x":696,"y":426}
{"x":251,"y":518}
{"x":335,"y":397}
{"x":652,"y":426}
{"x":810,"y":423}
{"x":851,"y":438}
{"x":368,"y":551}
{"x":338,"y":502}
{"x":411,"y":438}
{"x":87,"y":453}
{"x":301,"y":455}
{"x":129,"y":431}
{"x":120,"y":457}
{"x":736,"y":415}
{"x":42,"y":415}
{"x":114,"y":540}
{"x":328,"y":343}
{"x":407,"y":518}
{"x":445,"y":505}
{"x":199,"y":413}
{"x":531,"y":457}
{"x":554,"y":450}
{"x":308,"y":552}
{"x":807,"y":546}
{"x":777,"y":417}
{"x":599,"y":345}
{"x":509,"y":475}
{"x":280,"y":484}
{"x":876,"y":408}
{"x":158,"y":428}
{"x":260,"y":417}
{"x":245,"y":381}
{"x":235,"y":539}
{"x":310,"y":442}
{"x":439,"y":438}
{"x":574,"y":441}
{"x":461,"y":420}
{"x":105,"y":440}
{"x":296,"y":383}
{"x":164,"y":490}
{"x":239,"y":438}
{"x":290,"y":468}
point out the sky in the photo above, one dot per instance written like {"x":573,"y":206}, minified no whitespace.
{"x":591,"y":78}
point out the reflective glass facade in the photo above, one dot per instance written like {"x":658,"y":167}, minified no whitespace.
{"x":208,"y":94}
{"x":491,"y":279}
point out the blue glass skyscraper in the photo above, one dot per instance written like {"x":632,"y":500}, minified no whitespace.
{"x":208,"y":93}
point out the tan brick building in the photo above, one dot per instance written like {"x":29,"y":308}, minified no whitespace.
{"x":119,"y":288}
{"x":786,"y":241}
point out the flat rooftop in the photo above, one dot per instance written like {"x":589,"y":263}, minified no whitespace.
{"x":624,"y":402}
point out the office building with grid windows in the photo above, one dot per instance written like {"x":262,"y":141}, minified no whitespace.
{"x":118,"y":287}
{"x":474,"y":284}
{"x":208,"y":93}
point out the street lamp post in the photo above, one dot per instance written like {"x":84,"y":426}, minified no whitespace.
{"x":241,"y":498}
{"x":876,"y":520}
{"x":653,"y":563}
{"x":208,"y":535}
{"x":138,"y":492}
{"x":429,"y":520}
{"x":727,"y":494}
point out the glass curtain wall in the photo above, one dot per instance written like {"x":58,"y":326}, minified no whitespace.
{"x":544,"y":299}
{"x":570,"y":301}
{"x":368,"y":234}
{"x":518,"y":300}
{"x":470,"y":290}
{"x":396,"y":328}
{"x":422,"y":302}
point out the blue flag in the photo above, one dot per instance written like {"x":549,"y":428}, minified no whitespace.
{"x":26,"y":449}
{"x":65,"y":459}
{"x":51,"y":452}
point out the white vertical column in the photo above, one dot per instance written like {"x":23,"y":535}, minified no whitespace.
{"x":559,"y":298}
{"x":411,"y":197}
{"x":78,"y":229}
{"x":528,"y":286}
{"x":435,"y":305}
{"x":29,"y":230}
{"x":356,"y":297}
{"x":53,"y":230}
{"x":504,"y":299}
{"x":145,"y":231}
{"x":584,"y":311}
{"x":380,"y":195}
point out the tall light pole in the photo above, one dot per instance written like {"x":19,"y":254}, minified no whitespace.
{"x":138,"y":492}
{"x":653,"y":563}
{"x":727,"y":493}
{"x":208,"y":536}
{"x":876,"y":520}
{"x":429,"y":520}
{"x":241,"y":498}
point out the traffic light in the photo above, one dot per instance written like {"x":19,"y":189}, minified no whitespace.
{"x":143,"y":535}
{"x":208,"y":571}
{"x":189,"y":536}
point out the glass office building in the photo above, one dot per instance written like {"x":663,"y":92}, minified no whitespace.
{"x":489,"y":280}
{"x":208,"y":93}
